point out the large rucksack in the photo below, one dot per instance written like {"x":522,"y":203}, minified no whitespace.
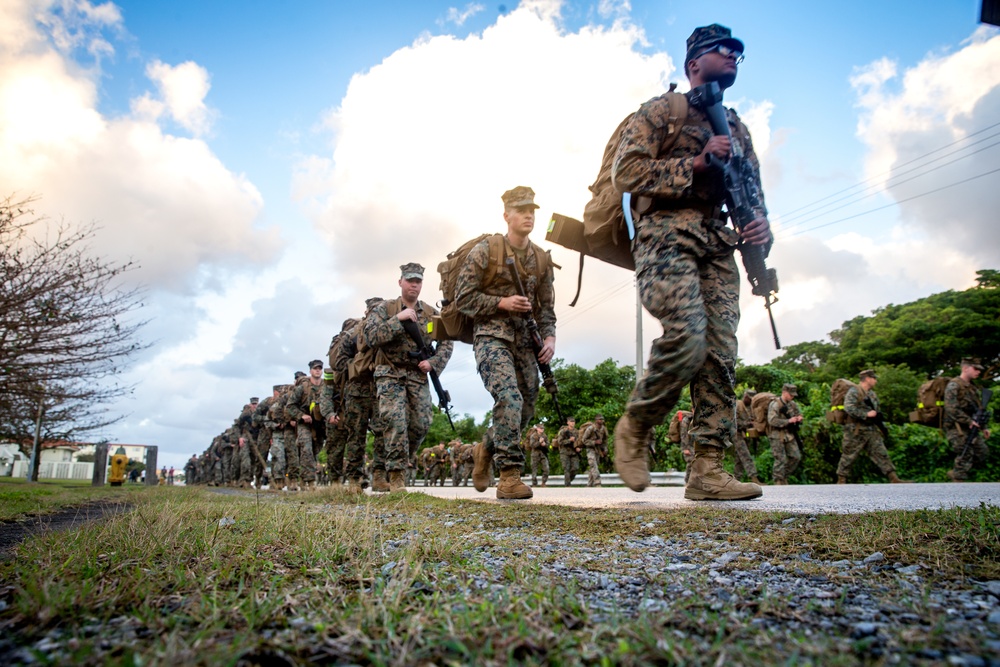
{"x":603,"y":233}
{"x":758,"y":408}
{"x":452,"y":324}
{"x":930,"y":403}
{"x":838,"y":392}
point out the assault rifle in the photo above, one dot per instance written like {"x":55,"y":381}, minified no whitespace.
{"x":878,"y":420}
{"x":423,"y":353}
{"x":548,"y":379}
{"x":743,"y":198}
{"x":982,"y":417}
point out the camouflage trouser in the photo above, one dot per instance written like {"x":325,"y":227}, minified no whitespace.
{"x":688,"y":454}
{"x":246,"y":469}
{"x":291,"y":440}
{"x":336,"y":441}
{"x":687,"y":279}
{"x":744,"y":460}
{"x":859,"y":438}
{"x":278,"y":465}
{"x":539,"y":459}
{"x":593,"y":467}
{"x":217,"y":471}
{"x":465,"y":472}
{"x":570,"y":464}
{"x":359,"y":405}
{"x":786,"y":455}
{"x":510,"y":374}
{"x":404,"y":412}
{"x":263,"y":446}
{"x":305,"y":439}
{"x":974,"y":456}
{"x":227,"y":465}
{"x":411,"y":475}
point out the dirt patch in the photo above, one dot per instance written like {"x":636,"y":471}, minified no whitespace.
{"x":13,"y":533}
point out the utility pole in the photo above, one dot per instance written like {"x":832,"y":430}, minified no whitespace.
{"x":36,"y":447}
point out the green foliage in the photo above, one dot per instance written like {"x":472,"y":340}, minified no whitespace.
{"x":585,"y":393}
{"x":466,"y":429}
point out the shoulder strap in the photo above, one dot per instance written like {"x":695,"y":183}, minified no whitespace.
{"x":677,"y":104}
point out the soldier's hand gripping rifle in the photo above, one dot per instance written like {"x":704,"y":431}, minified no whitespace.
{"x":982,"y":417}
{"x":878,"y":419}
{"x":424,"y":353}
{"x":548,"y":379}
{"x":743,"y":198}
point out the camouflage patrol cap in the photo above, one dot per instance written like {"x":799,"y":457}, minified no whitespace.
{"x":974,"y":362}
{"x":539,"y":425}
{"x":867,"y":373}
{"x":315,"y":363}
{"x":598,"y":418}
{"x":522,"y":195}
{"x":371,"y":302}
{"x":710,"y":35}
{"x":277,"y":387}
{"x":749,"y":393}
{"x":411,"y":271}
{"x":299,"y":374}
{"x":349,"y":323}
{"x":792,"y":390}
{"x":254,"y":399}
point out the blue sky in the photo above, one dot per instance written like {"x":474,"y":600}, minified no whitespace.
{"x":270,"y":165}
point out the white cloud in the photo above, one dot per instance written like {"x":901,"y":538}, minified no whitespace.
{"x":460,"y":16}
{"x":924,"y":121}
{"x":183,"y":89}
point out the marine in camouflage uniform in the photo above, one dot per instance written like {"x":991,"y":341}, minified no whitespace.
{"x":860,"y":432}
{"x":961,"y":402}
{"x":783,"y":418}
{"x":594,"y":439}
{"x":569,"y":451}
{"x":332,"y":406}
{"x":687,"y":448}
{"x":265,"y":428}
{"x":303,"y":407}
{"x":359,"y":401}
{"x":538,"y":445}
{"x":502,"y":343}
{"x":248,"y":440}
{"x":404,"y":400}
{"x":745,"y":466}
{"x":686,"y":272}
{"x":282,"y":435}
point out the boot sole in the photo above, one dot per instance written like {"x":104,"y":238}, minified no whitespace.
{"x":703,"y":495}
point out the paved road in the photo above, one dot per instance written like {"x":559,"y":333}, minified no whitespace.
{"x":813,"y":499}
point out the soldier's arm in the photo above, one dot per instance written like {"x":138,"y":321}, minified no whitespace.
{"x":326,"y":407}
{"x":638,"y":167}
{"x":854,"y":406}
{"x":774,"y":418}
{"x":293,"y":407}
{"x":380,"y":329}
{"x":469,"y":297}
{"x":545,"y":295}
{"x":442,"y":356}
{"x":953,"y":405}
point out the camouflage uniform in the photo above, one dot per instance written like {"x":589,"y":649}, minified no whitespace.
{"x":685,"y":269}
{"x":860,"y":434}
{"x":594,"y":439}
{"x":961,"y":401}
{"x":331,"y":405}
{"x":538,"y":445}
{"x":264,"y":429}
{"x":404,"y":400}
{"x":569,"y":453}
{"x":745,"y":465}
{"x":359,"y":403}
{"x":502,"y":344}
{"x":782,"y":436}
{"x":687,"y":447}
{"x":280,"y":435}
{"x":305,"y":400}
{"x":465,"y":462}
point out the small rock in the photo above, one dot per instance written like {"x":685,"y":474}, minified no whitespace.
{"x":911,"y":569}
{"x":875,"y":558}
{"x":864,"y":630}
{"x":226,"y":521}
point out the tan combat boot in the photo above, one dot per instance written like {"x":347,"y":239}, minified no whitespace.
{"x":481,"y":467}
{"x":354,"y":487}
{"x":631,"y":450}
{"x":380,"y":484}
{"x":710,"y":481}
{"x":511,"y":487}
{"x":894,"y":479}
{"x":397,"y":481}
{"x":843,"y":480}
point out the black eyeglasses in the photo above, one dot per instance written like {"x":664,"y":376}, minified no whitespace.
{"x":724,"y":51}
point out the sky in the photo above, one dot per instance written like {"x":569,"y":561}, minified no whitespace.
{"x":269,"y":165}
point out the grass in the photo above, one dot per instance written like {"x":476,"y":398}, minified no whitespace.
{"x":18,"y":498}
{"x":417,"y":580}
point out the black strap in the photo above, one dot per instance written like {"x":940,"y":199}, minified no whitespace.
{"x":579,"y":282}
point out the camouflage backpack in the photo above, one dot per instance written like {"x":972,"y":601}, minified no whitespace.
{"x":838,"y":392}
{"x":930,"y":403}
{"x":452,"y":324}
{"x":674,"y":430}
{"x":604,"y":233}
{"x":758,"y":408}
